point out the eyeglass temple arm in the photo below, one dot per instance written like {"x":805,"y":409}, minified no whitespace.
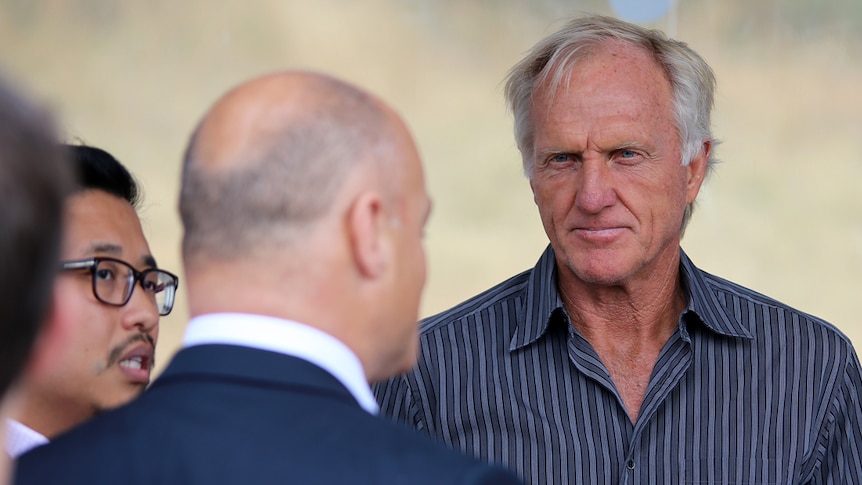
{"x":78,"y":264}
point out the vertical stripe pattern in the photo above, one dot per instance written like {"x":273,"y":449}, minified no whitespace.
{"x":746,"y":390}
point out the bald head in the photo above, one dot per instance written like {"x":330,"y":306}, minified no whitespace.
{"x":304,"y":198}
{"x":268,"y":159}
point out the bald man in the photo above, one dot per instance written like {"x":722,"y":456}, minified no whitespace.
{"x":303,"y":202}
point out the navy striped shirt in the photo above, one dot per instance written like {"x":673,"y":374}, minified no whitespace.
{"x":746,"y":390}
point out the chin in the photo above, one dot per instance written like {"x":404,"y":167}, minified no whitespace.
{"x":405,"y":362}
{"x":122,"y":398}
{"x":597,"y":269}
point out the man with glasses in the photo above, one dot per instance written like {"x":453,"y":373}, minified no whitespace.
{"x":107,"y":357}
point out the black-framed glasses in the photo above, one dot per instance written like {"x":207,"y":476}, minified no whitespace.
{"x":114,"y":281}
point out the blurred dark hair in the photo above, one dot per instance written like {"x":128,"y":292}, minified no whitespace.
{"x":97,"y":169}
{"x":34,"y":182}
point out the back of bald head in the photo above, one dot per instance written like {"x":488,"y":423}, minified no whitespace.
{"x":269,"y":159}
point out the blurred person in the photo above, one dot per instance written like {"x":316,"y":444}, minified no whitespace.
{"x":107,"y":266}
{"x":33,"y":184}
{"x":615,"y":359}
{"x":303,"y":203}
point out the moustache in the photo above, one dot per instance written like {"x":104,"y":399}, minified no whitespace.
{"x":118,"y":351}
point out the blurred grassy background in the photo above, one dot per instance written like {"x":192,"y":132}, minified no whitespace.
{"x":783,"y":213}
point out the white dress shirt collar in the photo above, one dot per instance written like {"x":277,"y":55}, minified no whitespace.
{"x":286,"y":337}
{"x":21,"y":439}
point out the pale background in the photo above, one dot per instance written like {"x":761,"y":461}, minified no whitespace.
{"x":782,"y":215}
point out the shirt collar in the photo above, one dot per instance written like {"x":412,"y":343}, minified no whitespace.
{"x":286,"y":337}
{"x":21,"y":438}
{"x":704,"y":303}
{"x":543,"y":299}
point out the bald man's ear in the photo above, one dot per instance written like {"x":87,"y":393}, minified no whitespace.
{"x":366,"y":228}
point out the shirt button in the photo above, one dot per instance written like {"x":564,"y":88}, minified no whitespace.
{"x":630,"y":464}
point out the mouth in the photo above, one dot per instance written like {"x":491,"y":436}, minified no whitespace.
{"x":137,"y":363}
{"x":599,"y":235}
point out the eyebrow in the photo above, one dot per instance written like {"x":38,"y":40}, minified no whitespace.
{"x":100,"y":247}
{"x":630,"y":144}
{"x":114,"y":249}
{"x":149,"y":261}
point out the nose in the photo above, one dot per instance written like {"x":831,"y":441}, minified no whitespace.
{"x":594,"y":186}
{"x":141,"y":312}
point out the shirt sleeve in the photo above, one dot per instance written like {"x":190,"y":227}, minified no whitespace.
{"x":842,"y":451}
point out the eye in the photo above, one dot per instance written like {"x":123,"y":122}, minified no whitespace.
{"x":558,"y":160}
{"x":151,"y":284}
{"x":105,"y":274}
{"x":628,"y":156}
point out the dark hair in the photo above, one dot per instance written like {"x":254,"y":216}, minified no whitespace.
{"x":34,"y":181}
{"x":97,"y":169}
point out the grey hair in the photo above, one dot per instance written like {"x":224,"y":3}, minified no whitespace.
{"x":552,"y":59}
{"x":288,"y":181}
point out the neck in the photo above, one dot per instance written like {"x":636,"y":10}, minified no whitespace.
{"x":50,"y":415}
{"x":644,"y":311}
{"x":627,"y":326}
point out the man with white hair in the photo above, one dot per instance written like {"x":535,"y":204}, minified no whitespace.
{"x":615,"y":359}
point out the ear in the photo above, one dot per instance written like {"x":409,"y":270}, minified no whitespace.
{"x":367,"y":234}
{"x":696,"y":171}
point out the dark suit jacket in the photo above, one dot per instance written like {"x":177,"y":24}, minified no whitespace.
{"x":229,"y":414}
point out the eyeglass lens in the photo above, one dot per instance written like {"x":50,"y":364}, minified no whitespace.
{"x":114,"y":282}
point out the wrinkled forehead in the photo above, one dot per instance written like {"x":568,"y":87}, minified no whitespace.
{"x":571,"y":60}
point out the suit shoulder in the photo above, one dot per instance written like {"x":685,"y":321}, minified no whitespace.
{"x":500,"y":294}
{"x":68,"y":458}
